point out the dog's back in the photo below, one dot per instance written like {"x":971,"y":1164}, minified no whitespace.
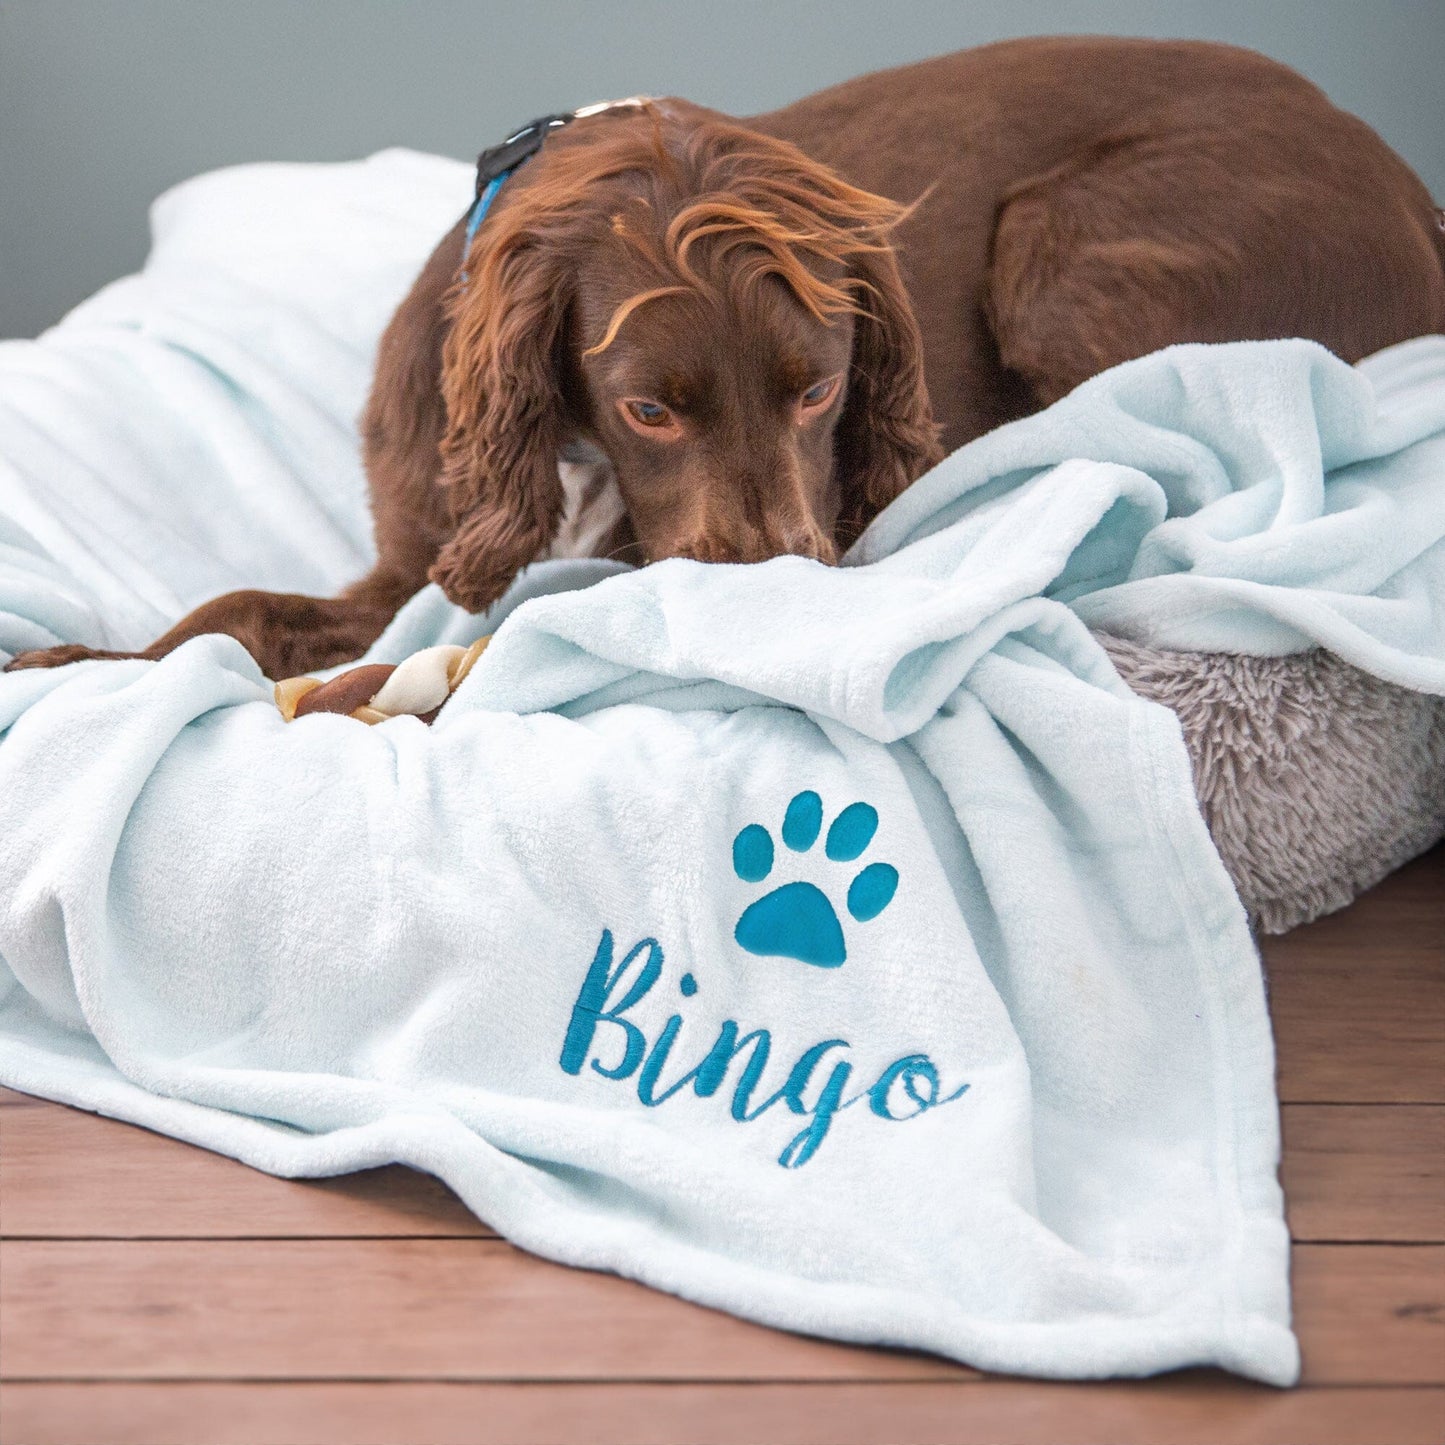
{"x":1090,"y":200}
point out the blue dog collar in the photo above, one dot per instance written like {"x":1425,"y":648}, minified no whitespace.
{"x":479,"y":211}
{"x":496,"y":164}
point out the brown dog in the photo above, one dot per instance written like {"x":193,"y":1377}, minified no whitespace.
{"x":716,"y":307}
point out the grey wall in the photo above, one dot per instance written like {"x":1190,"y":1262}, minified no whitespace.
{"x":105,"y":103}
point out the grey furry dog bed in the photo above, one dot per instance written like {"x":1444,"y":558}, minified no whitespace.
{"x":1315,"y":779}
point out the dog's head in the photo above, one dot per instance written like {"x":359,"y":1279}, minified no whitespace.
{"x":717,"y":314}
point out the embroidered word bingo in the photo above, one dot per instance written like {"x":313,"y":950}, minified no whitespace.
{"x":905,"y":1089}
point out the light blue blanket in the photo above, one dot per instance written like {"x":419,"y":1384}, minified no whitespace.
{"x":842,"y":947}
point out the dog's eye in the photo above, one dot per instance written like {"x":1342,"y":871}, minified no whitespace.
{"x":819,"y":394}
{"x":648,"y":413}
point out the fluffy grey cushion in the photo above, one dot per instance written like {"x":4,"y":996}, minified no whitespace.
{"x":1316,"y":780}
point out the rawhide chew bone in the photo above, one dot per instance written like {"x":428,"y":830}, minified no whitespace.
{"x":371,"y":694}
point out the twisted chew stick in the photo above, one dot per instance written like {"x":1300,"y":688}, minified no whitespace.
{"x":371,"y":694}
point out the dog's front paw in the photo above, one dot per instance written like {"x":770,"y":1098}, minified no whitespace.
{"x":58,"y":656}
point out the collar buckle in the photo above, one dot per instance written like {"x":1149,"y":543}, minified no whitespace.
{"x":520,"y":146}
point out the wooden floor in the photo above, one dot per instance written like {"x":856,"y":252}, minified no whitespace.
{"x":153,"y":1293}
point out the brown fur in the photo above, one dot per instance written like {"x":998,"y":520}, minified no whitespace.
{"x":1079,"y":202}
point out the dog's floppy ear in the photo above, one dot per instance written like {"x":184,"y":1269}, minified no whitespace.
{"x":886,"y":437}
{"x":502,"y":367}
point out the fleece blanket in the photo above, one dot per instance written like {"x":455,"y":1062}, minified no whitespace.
{"x":842,"y":947}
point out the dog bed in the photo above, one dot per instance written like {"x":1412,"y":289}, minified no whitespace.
{"x":807,"y":966}
{"x":1316,"y":779}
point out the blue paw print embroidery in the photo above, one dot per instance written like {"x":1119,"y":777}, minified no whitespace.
{"x":796,"y":920}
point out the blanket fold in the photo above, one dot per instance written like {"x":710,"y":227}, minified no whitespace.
{"x":861,"y":965}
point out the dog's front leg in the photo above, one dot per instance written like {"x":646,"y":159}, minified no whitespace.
{"x":286,"y":633}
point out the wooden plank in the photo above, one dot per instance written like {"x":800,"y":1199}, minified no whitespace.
{"x":68,"y":1174}
{"x":1365,"y":1172}
{"x":366,"y":1308}
{"x":1358,"y":999}
{"x":1352,"y":1173}
{"x":1370,"y":1314}
{"x":1188,"y":1410}
{"x":481,"y":1310}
